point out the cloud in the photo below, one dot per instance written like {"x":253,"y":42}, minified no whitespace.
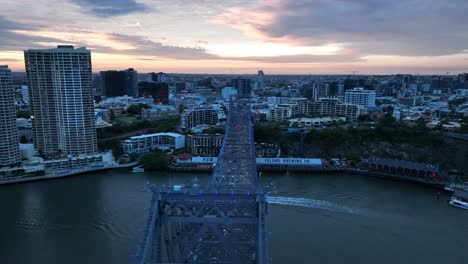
{"x":300,"y":58}
{"x":109,"y":8}
{"x":11,"y":41}
{"x":399,"y":27}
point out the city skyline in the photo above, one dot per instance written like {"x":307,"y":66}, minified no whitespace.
{"x":280,"y":36}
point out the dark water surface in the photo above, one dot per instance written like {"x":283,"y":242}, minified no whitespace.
{"x":342,"y":219}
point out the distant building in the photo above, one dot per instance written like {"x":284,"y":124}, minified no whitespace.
{"x":463,"y":77}
{"x":333,"y":107}
{"x":159,"y":77}
{"x":319,"y":90}
{"x":119,"y":83}
{"x":122,"y":102}
{"x":206,"y":145}
{"x":25,"y":93}
{"x":158,"y":91}
{"x":462,"y":92}
{"x":243,"y":87}
{"x":260,"y":80}
{"x":61,"y":94}
{"x":149,"y":142}
{"x":24,"y":129}
{"x":305,"y":106}
{"x":359,"y":96}
{"x":228,"y":92}
{"x":159,"y":112}
{"x":315,"y":122}
{"x":9,"y":139}
{"x":280,"y":113}
{"x":199,"y":116}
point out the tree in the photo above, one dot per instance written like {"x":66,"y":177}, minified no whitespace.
{"x":154,"y":161}
{"x":387,"y":121}
{"x":136,"y":109}
{"x":421,"y":124}
{"x":181,"y":108}
{"x":389,"y":109}
{"x":364,"y":118}
{"x":111,"y":115}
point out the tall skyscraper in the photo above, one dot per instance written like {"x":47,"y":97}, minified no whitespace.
{"x":261,"y":80}
{"x":119,"y":83}
{"x":61,"y":99}
{"x":243,"y":87}
{"x":9,"y":139}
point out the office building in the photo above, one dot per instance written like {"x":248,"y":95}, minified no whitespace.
{"x":9,"y":140}
{"x":119,"y":83}
{"x":61,"y":98}
{"x":243,"y":87}
{"x":359,"y":96}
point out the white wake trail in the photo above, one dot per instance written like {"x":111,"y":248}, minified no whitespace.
{"x":311,"y":203}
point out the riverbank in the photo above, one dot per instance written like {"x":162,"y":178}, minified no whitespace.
{"x":64,"y":173}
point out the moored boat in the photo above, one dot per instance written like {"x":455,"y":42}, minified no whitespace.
{"x":459,"y":199}
{"x":138,"y":169}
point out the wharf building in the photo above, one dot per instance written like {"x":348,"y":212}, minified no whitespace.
{"x":119,"y":83}
{"x":9,"y":145}
{"x":61,"y":95}
{"x":204,"y":144}
{"x":209,"y":145}
{"x":150,"y":142}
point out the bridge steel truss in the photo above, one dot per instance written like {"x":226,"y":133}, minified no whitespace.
{"x":223,"y":222}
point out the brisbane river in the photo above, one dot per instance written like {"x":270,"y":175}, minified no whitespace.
{"x":96,"y":218}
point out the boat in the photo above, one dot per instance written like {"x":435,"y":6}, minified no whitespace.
{"x":138,"y":169}
{"x":459,"y":199}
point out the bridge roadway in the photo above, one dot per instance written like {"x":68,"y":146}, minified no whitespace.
{"x":223,"y":222}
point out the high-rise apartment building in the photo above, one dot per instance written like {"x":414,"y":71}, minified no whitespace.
{"x":197,"y":116}
{"x":243,"y":87}
{"x":9,"y":139}
{"x":359,"y":96}
{"x":61,"y":97}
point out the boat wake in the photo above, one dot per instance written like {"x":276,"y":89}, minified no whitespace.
{"x":311,"y":203}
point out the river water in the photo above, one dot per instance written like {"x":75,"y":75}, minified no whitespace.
{"x":314,"y":219}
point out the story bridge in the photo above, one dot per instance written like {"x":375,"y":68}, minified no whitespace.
{"x":219,"y":222}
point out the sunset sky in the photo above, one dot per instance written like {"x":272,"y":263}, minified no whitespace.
{"x":278,"y":36}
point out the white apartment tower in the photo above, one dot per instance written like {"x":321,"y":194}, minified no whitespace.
{"x":61,"y":99}
{"x":359,"y":96}
{"x":9,"y":139}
